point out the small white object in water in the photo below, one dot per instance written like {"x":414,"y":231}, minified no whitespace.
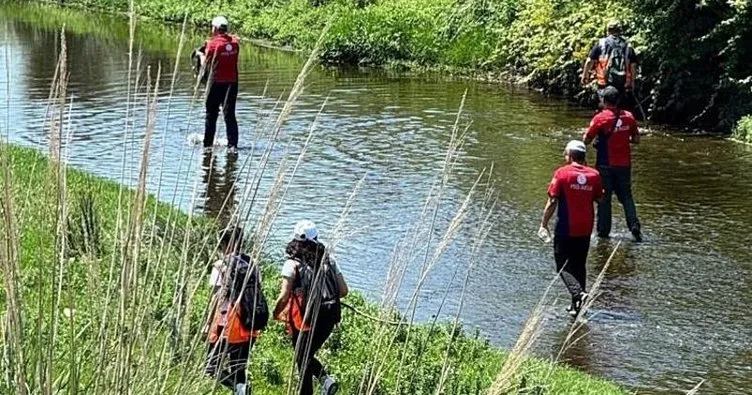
{"x":198,"y":139}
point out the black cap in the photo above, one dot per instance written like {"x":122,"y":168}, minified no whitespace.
{"x":610,"y":95}
{"x":614,"y":26}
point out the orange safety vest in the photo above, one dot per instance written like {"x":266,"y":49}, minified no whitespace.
{"x":600,"y":66}
{"x":296,"y":312}
{"x":227,"y":325}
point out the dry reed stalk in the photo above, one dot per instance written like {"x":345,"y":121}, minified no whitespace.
{"x":57,"y":183}
{"x":579,"y":322}
{"x":696,"y":389}
{"x":504,"y":380}
{"x":484,"y":230}
{"x":103,"y":333}
{"x":428,"y":266}
{"x":11,"y":272}
{"x":10,"y":268}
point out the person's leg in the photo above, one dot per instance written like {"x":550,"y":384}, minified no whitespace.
{"x":578,"y":260}
{"x":604,"y":206}
{"x":228,"y":109}
{"x":306,"y":376}
{"x":564,"y":265}
{"x":213,"y":100}
{"x":310,"y":343}
{"x":622,"y":177}
{"x":217,"y":354}
{"x":237,"y":363}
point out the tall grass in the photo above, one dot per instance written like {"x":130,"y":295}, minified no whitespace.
{"x":124,"y":313}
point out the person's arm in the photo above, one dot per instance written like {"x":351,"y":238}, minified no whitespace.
{"x":591,"y":132}
{"x":598,"y":191}
{"x":548,"y":212}
{"x":634,"y":134}
{"x":342,"y":285}
{"x":632,"y":75}
{"x":586,"y":69}
{"x":284,"y":296}
{"x":550,"y":209}
{"x":342,"y":288}
{"x":589,"y":63}
{"x":633,"y":63}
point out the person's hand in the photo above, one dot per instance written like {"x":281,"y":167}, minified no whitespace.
{"x":584,"y":81}
{"x":544,"y":234}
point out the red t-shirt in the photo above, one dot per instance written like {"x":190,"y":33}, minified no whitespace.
{"x":222,"y":51}
{"x":576,"y":187}
{"x":613,"y":147}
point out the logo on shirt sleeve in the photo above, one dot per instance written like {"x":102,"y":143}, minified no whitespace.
{"x":228,"y":48}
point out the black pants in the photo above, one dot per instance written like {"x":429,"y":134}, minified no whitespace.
{"x":571,"y":254}
{"x":236,"y":358}
{"x":311,"y":341}
{"x":618,"y":180}
{"x":221,"y":95}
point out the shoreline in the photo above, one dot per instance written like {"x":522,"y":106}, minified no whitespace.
{"x":474,"y":361}
{"x":501,"y":76}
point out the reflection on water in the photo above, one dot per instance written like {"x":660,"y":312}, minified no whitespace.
{"x":673,"y":309}
{"x":219,"y":194}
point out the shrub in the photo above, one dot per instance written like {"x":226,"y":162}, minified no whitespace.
{"x":743,"y":129}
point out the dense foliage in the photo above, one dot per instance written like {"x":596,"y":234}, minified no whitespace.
{"x":695,"y":57}
{"x":743,"y":129}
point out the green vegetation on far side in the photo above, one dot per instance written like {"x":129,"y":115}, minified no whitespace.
{"x":694,"y":54}
{"x":743,"y":130}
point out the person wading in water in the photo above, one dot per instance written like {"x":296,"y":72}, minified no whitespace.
{"x":309,"y":302}
{"x":572,"y":192}
{"x":219,"y":58}
{"x":616,"y":130}
{"x":239,"y":314}
{"x":615,"y":64}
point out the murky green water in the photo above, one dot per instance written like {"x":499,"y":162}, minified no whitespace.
{"x":674,"y":309}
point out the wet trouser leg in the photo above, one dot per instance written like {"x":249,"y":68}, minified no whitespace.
{"x":214,"y":99}
{"x":571,"y":254}
{"x":228,"y":110}
{"x":622,"y":184}
{"x":604,"y":205}
{"x":310,"y":343}
{"x":236,"y":358}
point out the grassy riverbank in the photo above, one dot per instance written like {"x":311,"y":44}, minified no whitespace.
{"x":543,"y":43}
{"x":136,"y":290}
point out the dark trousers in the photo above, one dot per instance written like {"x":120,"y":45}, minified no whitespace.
{"x":616,"y":179}
{"x":235,"y":356}
{"x":571,"y":254}
{"x":221,"y":95}
{"x":311,"y":341}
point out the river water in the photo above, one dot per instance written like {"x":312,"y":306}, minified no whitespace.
{"x":674,"y":309}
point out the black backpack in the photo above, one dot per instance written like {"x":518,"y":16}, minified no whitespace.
{"x":326,"y":295}
{"x":254,"y":311}
{"x":618,"y":60}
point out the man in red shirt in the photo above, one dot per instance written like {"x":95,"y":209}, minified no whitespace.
{"x":571,"y":194}
{"x":615,"y":131}
{"x":220,"y":58}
